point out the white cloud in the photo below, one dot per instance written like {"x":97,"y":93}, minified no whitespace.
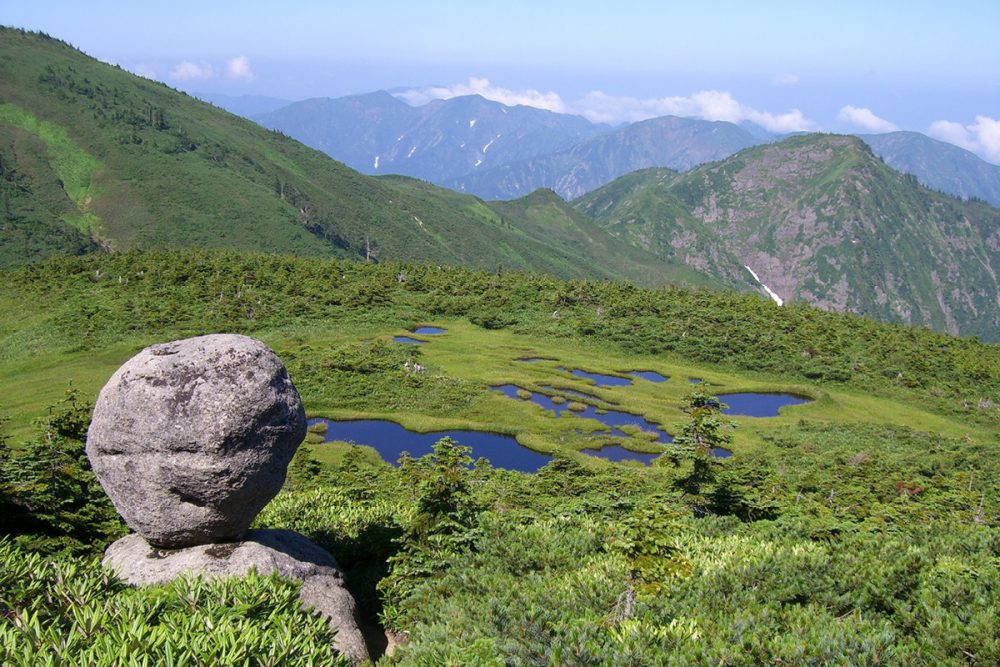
{"x":786,"y":79}
{"x":865,"y":119}
{"x":982,"y":137}
{"x":600,"y":107}
{"x":239,"y":68}
{"x":187,"y":71}
{"x":477,"y":86}
{"x":705,"y":104}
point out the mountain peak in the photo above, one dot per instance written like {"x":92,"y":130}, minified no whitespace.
{"x":820,"y":219}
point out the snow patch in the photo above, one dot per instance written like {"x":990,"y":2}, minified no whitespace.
{"x":400,"y":137}
{"x":376,"y":161}
{"x":777,"y":299}
{"x":412,"y":151}
{"x":478,"y":162}
{"x":490,"y":143}
{"x":472,"y":123}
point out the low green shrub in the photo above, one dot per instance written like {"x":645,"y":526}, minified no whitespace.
{"x":71,"y":611}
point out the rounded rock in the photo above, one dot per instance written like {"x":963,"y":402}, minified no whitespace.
{"x":190,"y":439}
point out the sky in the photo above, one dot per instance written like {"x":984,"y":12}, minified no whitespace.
{"x":845,"y":66}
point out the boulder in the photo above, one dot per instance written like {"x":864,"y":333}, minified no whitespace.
{"x":190,"y":439}
{"x":283,"y":551}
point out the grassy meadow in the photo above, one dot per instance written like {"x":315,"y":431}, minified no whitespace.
{"x":858,"y":528}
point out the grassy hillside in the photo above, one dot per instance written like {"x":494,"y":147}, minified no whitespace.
{"x":820,"y":219}
{"x":94,"y":156}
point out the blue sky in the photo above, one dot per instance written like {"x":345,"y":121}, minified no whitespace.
{"x":840,"y":66}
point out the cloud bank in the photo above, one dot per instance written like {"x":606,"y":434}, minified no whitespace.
{"x":706,"y":104}
{"x":477,"y":86}
{"x":239,"y":68}
{"x":865,"y":119}
{"x":600,"y":107}
{"x":981,"y":137}
{"x":189,"y":71}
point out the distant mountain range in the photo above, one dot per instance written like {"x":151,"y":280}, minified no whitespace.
{"x":243,"y":105}
{"x":493,"y":151}
{"x":938,"y":165}
{"x":677,"y":143}
{"x":379,"y":134}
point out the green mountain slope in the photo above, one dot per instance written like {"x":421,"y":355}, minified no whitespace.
{"x":94,"y":156}
{"x":819,"y":218}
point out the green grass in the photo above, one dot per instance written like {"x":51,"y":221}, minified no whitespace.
{"x":72,"y":163}
{"x":859,"y":528}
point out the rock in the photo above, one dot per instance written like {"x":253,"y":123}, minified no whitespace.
{"x":192,"y":438}
{"x":283,"y":551}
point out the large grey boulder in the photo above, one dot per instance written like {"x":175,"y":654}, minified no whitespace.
{"x":192,"y":438}
{"x":283,"y":551}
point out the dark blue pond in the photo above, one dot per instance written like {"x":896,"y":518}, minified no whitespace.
{"x":611,"y":418}
{"x":652,"y":376}
{"x":390,"y":440}
{"x":429,"y":330}
{"x":694,"y":380}
{"x":573,"y":392}
{"x":600,"y":379}
{"x":759,"y":405}
{"x":407,"y":339}
{"x":532,"y":360}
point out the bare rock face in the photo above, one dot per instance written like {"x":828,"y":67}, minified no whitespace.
{"x":283,"y":551}
{"x":192,"y":438}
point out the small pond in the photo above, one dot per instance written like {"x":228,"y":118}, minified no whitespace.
{"x":759,"y":405}
{"x":695,"y":380}
{"x":613,"y":419}
{"x":574,"y":392}
{"x":429,"y":330}
{"x":600,"y":379}
{"x":407,"y":339}
{"x":390,"y":440}
{"x":532,"y":360}
{"x":652,"y":376}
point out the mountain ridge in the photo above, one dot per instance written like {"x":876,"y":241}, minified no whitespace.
{"x":820,"y":218}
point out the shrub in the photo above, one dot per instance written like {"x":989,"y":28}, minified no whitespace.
{"x":70,"y":611}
